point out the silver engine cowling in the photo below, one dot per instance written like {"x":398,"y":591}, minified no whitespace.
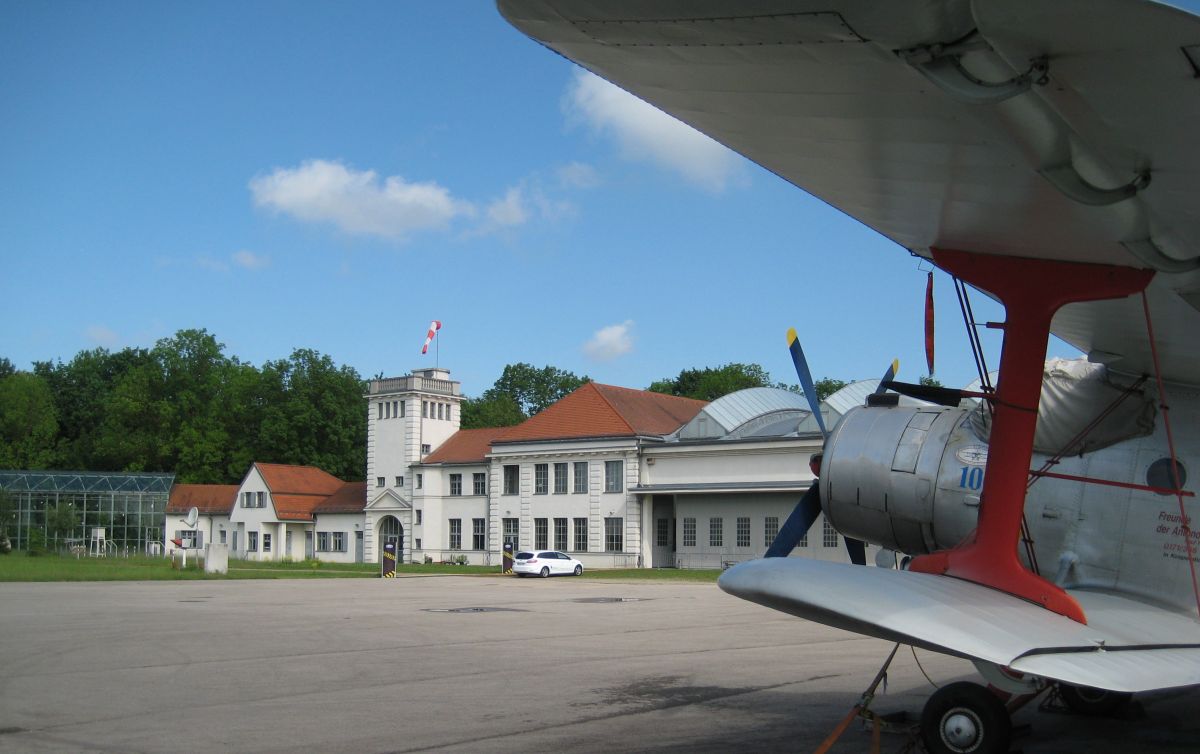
{"x":903,"y":477}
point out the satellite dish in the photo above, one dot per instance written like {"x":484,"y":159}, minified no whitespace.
{"x":193,"y":515}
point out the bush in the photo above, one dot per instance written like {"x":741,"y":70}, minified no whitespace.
{"x":459,"y":560}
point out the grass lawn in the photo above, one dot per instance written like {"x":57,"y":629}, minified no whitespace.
{"x":19,"y":566}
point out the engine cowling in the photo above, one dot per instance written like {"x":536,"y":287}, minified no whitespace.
{"x":903,"y":477}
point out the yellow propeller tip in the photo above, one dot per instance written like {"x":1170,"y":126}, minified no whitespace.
{"x":791,"y":336}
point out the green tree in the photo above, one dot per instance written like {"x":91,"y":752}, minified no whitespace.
{"x":931,"y":381}
{"x":711,"y":383}
{"x":313,"y":414}
{"x":28,"y":422}
{"x":6,"y":368}
{"x":533,"y":389}
{"x":62,"y":520}
{"x":827,"y":386}
{"x":500,"y":411}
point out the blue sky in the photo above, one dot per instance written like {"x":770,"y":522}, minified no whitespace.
{"x":334,"y":176}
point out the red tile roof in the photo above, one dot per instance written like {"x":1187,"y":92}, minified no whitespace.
{"x":466,"y":446}
{"x":284,"y":479}
{"x":350,"y":498}
{"x":596,"y":410}
{"x":209,"y":499}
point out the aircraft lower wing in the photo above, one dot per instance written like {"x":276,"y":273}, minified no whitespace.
{"x":1127,"y":645}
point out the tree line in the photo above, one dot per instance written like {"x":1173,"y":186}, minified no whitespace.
{"x":185,"y":406}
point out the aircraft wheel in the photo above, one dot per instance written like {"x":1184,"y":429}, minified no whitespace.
{"x":965,"y":718}
{"x":1094,"y":702}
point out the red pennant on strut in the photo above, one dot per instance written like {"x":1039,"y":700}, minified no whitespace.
{"x":929,"y":322}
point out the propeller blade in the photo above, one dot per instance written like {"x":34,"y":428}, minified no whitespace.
{"x":888,"y":376}
{"x":806,"y":384}
{"x":943,"y":396}
{"x":857,"y":549}
{"x":797,"y":524}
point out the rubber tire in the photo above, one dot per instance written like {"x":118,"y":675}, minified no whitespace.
{"x":1092,"y":702}
{"x":994,"y":727}
{"x":545,"y":572}
{"x":578,"y":570}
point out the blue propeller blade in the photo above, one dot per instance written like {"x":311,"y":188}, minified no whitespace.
{"x":888,"y":377}
{"x":797,"y":524}
{"x":806,"y":380}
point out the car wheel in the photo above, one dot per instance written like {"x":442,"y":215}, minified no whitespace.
{"x":545,"y":571}
{"x":578,"y":570}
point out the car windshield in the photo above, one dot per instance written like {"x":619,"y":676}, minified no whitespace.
{"x":524,"y":555}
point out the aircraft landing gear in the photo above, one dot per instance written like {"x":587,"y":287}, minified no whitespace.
{"x":965,"y":718}
{"x":1092,"y":702}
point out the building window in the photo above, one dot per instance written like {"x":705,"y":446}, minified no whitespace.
{"x":448,"y":405}
{"x":420,"y":515}
{"x":251,"y":541}
{"x":613,"y":541}
{"x":456,"y":534}
{"x":221,"y":536}
{"x":803,"y":540}
{"x":322,"y":541}
{"x":560,"y":479}
{"x":420,"y":481}
{"x":581,"y":477}
{"x":541,"y":533}
{"x":441,"y":407}
{"x":379,"y":481}
{"x":380,"y":405}
{"x":770,"y":530}
{"x":541,"y":482}
{"x":612,"y":476}
{"x":402,"y":405}
{"x":560,"y":534}
{"x":399,"y":481}
{"x":339,"y":541}
{"x":662,"y":532}
{"x":395,"y":409}
{"x":418,"y":539}
{"x":478,"y":540}
{"x":456,"y":484}
{"x":261,"y":500}
{"x":512,"y":479}
{"x":426,"y":449}
{"x":716,"y":532}
{"x":689,"y":532}
{"x":581,"y":535}
{"x":479,"y":481}
{"x":188,"y":538}
{"x":512,"y":529}
{"x":266,"y":541}
{"x":424,"y":409}
{"x":829,"y":535}
{"x":743,"y":531}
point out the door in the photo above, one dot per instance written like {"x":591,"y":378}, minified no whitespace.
{"x":663,"y":552}
{"x":358,"y":547}
{"x":308,"y":545}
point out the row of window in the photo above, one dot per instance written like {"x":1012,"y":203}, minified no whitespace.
{"x":614,"y":472}
{"x":398,"y":410}
{"x":716,"y":532}
{"x":253,"y":500}
{"x":614,"y":534}
{"x":331,"y":541}
{"x":390,"y":409}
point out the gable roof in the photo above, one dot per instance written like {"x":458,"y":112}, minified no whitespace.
{"x":596,"y":410}
{"x":296,"y":491}
{"x":351,"y":497}
{"x":466,"y":446}
{"x":209,"y":499}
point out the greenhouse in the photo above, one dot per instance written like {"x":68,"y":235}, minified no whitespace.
{"x":97,"y":512}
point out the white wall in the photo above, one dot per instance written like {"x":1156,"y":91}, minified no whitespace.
{"x":348,"y":524}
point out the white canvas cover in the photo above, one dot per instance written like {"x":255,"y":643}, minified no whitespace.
{"x":1074,"y":393}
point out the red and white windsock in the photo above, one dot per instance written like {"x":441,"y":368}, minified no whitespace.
{"x":434,"y":326}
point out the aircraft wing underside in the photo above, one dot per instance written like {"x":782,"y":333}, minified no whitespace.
{"x":1127,"y":645}
{"x":827,"y":95}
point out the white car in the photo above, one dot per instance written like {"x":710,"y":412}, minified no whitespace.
{"x":546,"y":563}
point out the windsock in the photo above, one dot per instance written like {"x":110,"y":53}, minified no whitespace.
{"x":434,"y":326}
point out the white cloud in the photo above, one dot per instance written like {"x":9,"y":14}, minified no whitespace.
{"x":250,"y":260}
{"x":101,"y":336}
{"x":610,"y":342}
{"x":645,"y":132}
{"x":357,"y":201}
{"x":509,"y":210}
{"x":212,"y":265}
{"x":578,"y":175}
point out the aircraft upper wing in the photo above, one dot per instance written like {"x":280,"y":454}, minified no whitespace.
{"x":883,"y":111}
{"x":1127,"y":645}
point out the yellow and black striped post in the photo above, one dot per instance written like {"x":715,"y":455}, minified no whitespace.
{"x":389,"y":560}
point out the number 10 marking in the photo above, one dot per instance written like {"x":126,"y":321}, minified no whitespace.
{"x":972,"y":478}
